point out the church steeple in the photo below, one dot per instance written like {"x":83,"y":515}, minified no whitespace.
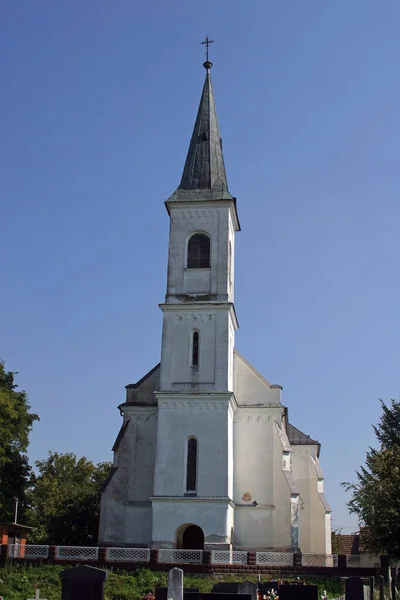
{"x":204,"y":176}
{"x":199,"y":321}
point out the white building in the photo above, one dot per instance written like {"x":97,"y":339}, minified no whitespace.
{"x":206,"y":456}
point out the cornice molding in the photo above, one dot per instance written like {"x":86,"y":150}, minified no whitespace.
{"x":253,"y":418}
{"x":209,"y":205}
{"x":195,"y":405}
{"x":223,"y":401}
{"x":141,"y":413}
{"x":188,"y":499}
{"x":190,"y":307}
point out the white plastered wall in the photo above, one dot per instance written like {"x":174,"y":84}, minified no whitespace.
{"x":128,"y":494}
{"x":209,"y":421}
{"x":258,"y":477}
{"x":217,"y":221}
{"x":314,"y":536}
{"x":216,"y":337}
{"x":214,"y":517}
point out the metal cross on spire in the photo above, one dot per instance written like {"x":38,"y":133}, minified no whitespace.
{"x":207,"y":43}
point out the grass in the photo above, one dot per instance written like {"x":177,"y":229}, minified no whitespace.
{"x":20,"y":582}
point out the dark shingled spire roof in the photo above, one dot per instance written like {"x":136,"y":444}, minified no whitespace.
{"x":204,"y":176}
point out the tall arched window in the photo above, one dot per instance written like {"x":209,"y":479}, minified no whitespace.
{"x":195,"y":348}
{"x":198,"y":252}
{"x":191,"y":465}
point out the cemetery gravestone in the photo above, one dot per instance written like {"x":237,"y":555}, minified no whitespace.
{"x":381,"y":584}
{"x":371,"y":587}
{"x":205,"y":596}
{"x":354,"y":588}
{"x":224,"y":591}
{"x":226,"y":587}
{"x":83,"y":583}
{"x":175,"y":584}
{"x":248,"y":587}
{"x":298,"y":592}
{"x":161,"y":592}
{"x":394,"y":584}
{"x":37,"y":596}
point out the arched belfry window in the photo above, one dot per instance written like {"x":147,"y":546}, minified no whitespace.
{"x":195,"y":348}
{"x":191,"y":465}
{"x":198,"y":256}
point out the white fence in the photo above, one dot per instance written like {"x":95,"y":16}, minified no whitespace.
{"x":319,"y":560}
{"x":274,"y":559}
{"x":180,"y":556}
{"x":128,"y":554}
{"x":175,"y":556}
{"x":358,"y":561}
{"x":353,"y":560}
{"x":77,"y":553}
{"x":227,"y":557}
{"x":18,"y":551}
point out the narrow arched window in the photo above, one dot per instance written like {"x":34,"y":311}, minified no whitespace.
{"x":195,"y":349}
{"x":191,"y":465}
{"x":198,"y":252}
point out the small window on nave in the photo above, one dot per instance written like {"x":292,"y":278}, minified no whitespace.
{"x":198,"y":252}
{"x":191,"y":465}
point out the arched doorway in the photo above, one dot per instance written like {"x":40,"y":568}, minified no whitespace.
{"x":190,"y":537}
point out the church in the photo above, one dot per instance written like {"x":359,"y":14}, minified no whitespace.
{"x":206,"y":457}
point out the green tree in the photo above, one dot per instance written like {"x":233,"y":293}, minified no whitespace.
{"x":388,"y":429}
{"x":16,"y":422}
{"x":375,"y":497}
{"x":65,"y":500}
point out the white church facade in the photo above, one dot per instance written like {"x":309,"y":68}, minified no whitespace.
{"x":206,"y":456}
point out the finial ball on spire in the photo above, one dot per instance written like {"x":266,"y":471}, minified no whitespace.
{"x":207,"y":65}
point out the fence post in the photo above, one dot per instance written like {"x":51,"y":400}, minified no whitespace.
{"x":297,"y":559}
{"x":252,"y":559}
{"x":102,"y":556}
{"x":52,"y":554}
{"x":341,"y":563}
{"x":153,"y":559}
{"x":3,"y":555}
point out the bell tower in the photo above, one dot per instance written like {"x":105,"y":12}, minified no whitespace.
{"x":196,"y":404}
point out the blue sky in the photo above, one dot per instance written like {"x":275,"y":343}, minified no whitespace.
{"x":98,"y":101}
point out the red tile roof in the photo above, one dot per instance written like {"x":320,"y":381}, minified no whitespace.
{"x":348,"y":544}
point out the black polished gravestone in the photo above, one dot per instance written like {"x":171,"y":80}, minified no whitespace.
{"x":193,"y":594}
{"x":298,"y":592}
{"x":354,"y":588}
{"x":161,"y":593}
{"x":83,"y":583}
{"x":235,"y":588}
{"x":201,"y":596}
{"x":226,"y":587}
